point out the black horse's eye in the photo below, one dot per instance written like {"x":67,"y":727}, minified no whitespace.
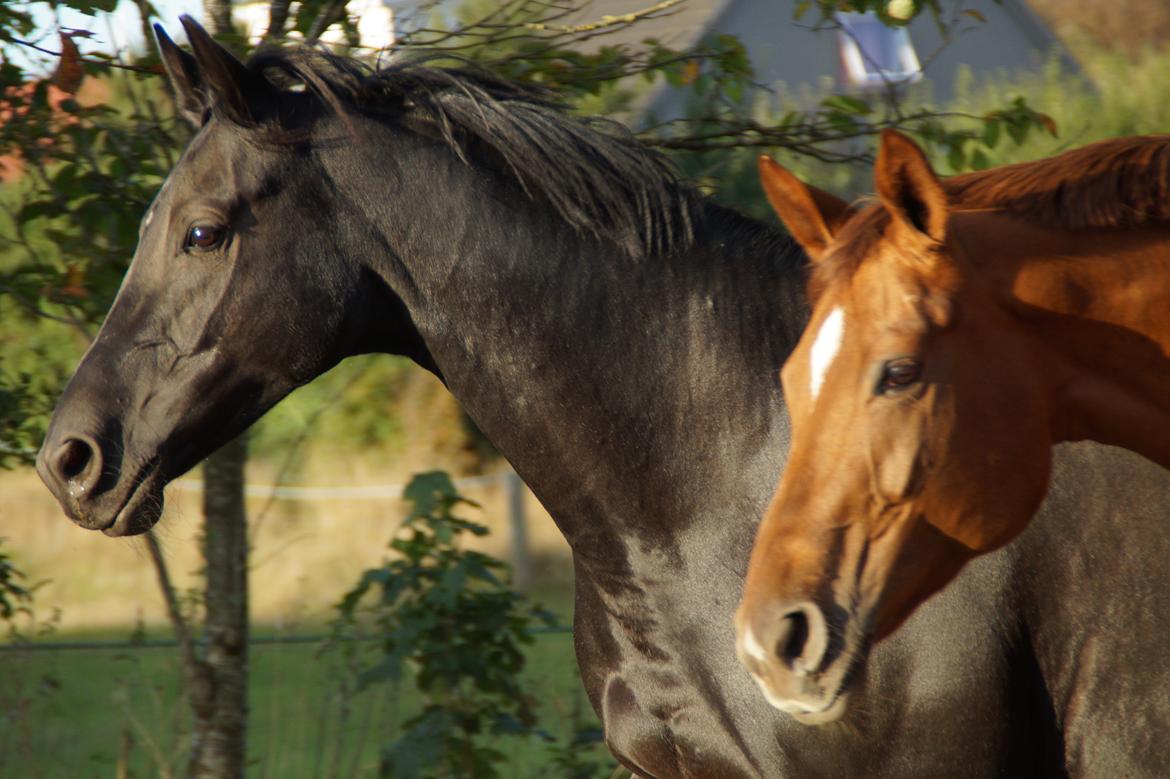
{"x":205,"y":237}
{"x":898,"y":375}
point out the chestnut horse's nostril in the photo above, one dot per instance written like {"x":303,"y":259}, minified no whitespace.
{"x":77,"y":465}
{"x":793,"y":637}
{"x":803,"y":638}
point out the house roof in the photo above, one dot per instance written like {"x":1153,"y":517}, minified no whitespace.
{"x":781,"y":52}
{"x":682,"y":23}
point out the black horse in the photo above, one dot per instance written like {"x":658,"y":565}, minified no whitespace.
{"x":616,"y":337}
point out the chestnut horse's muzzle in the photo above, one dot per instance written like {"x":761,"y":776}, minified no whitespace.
{"x":790,"y":653}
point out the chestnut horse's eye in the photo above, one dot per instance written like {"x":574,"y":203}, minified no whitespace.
{"x":898,"y":375}
{"x":205,"y":237}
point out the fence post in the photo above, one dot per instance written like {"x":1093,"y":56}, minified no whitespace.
{"x":521,"y":559}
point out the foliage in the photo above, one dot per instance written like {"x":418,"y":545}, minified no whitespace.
{"x":20,"y":694}
{"x":80,"y":159}
{"x":26,"y":398}
{"x":1113,"y":96}
{"x":15,"y":597}
{"x":18,"y":615}
{"x":449,"y":621}
{"x":555,"y":44}
{"x":63,"y":248}
{"x":891,"y":12}
{"x":16,"y":19}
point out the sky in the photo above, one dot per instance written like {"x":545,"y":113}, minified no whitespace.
{"x":117,"y":31}
{"x":111,"y":32}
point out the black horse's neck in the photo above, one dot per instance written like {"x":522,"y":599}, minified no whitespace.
{"x":635,"y":395}
{"x":566,"y":351}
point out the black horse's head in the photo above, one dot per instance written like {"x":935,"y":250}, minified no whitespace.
{"x":239,"y":291}
{"x":324,"y":210}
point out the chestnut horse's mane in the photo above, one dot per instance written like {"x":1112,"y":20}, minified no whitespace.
{"x":1116,"y":183}
{"x":1121,"y":182}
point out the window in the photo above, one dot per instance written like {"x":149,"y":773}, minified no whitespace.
{"x":873,"y":54}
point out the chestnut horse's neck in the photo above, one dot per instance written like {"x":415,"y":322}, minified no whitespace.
{"x":1097,"y":304}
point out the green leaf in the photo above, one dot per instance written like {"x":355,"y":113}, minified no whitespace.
{"x":428,"y":491}
{"x":956,"y":159}
{"x":991,"y":132}
{"x":847,"y":104}
{"x":1017,"y":131}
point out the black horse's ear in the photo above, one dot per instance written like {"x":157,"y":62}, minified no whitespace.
{"x":190,"y":93}
{"x":239,"y":92}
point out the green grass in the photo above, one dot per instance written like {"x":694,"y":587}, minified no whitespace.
{"x":91,"y":713}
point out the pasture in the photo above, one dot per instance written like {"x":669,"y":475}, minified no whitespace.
{"x":102,"y":712}
{"x":96,"y":711}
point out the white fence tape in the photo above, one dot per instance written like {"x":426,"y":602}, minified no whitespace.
{"x":360,"y":492}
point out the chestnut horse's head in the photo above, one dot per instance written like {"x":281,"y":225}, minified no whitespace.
{"x":915,"y":444}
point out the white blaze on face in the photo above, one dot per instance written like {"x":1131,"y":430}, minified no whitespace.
{"x":825,"y":348}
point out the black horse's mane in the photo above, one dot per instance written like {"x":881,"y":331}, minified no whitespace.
{"x":593,"y":172}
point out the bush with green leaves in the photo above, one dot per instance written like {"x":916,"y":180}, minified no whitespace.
{"x":15,"y":597}
{"x":449,"y":623}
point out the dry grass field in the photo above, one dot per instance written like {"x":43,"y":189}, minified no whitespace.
{"x":305,"y":553}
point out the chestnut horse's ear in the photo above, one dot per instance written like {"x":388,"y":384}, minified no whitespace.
{"x":810,"y":214}
{"x":190,"y":92}
{"x":908,"y":186}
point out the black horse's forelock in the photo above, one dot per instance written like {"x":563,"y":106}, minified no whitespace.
{"x":593,"y":172}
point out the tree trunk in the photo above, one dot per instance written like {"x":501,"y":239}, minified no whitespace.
{"x":221,"y":725}
{"x":221,"y":721}
{"x":277,"y":19}
{"x":217,"y":17}
{"x":521,"y":557}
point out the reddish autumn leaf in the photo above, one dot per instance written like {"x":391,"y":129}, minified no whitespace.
{"x":74,"y":285}
{"x":70,"y":70}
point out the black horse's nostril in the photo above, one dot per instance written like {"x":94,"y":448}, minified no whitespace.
{"x":72,"y":458}
{"x":77,"y":464}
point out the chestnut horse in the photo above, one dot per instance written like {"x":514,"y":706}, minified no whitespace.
{"x":960,"y":329}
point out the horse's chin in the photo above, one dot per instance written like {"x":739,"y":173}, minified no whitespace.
{"x":134,"y":521}
{"x":818,"y":709}
{"x":831,"y":713}
{"x":142,"y":508}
